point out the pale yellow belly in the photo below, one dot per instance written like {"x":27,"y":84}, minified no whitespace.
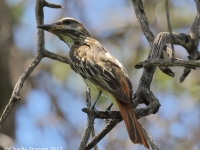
{"x":97,"y":89}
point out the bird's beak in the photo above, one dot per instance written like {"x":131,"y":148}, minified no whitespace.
{"x":50,"y":27}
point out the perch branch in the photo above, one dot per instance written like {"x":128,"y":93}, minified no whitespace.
{"x":87,"y":132}
{"x":88,"y":102}
{"x":54,"y":56}
{"x":115,"y":117}
{"x":90,"y":124}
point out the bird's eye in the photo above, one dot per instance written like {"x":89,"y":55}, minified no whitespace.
{"x":67,"y":21}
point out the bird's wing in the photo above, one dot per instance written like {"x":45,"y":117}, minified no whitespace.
{"x":102,"y":69}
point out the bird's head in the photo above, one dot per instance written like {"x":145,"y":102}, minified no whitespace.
{"x":68,"y":30}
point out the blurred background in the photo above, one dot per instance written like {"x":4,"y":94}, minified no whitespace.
{"x":49,"y":113}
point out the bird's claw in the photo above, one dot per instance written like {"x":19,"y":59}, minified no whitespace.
{"x":107,"y":111}
{"x":93,"y":109}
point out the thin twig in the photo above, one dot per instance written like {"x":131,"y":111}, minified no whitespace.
{"x":142,"y":19}
{"x":161,"y":62}
{"x":8,"y":109}
{"x":93,"y":135}
{"x":103,"y":133}
{"x":15,"y":95}
{"x":193,"y":42}
{"x":88,"y":102}
{"x":115,"y":117}
{"x":51,"y":5}
{"x":169,"y":28}
{"x":54,"y":56}
{"x":87,"y":132}
{"x":88,"y":97}
{"x":40,"y":48}
{"x":90,"y":122}
{"x":149,"y":139}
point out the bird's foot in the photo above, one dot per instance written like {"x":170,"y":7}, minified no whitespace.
{"x":109,"y":107}
{"x":93,"y":108}
{"x":108,"y":111}
{"x":107,"y":120}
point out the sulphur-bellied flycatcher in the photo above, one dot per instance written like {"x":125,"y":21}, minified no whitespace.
{"x":100,"y":70}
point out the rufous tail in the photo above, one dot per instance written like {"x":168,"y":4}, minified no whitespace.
{"x":132,"y":125}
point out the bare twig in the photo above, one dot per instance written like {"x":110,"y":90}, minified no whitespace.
{"x":193,"y":42}
{"x":111,"y":114}
{"x":51,"y":5}
{"x":103,"y":114}
{"x":149,"y":139}
{"x":9,"y":106}
{"x":161,"y":62}
{"x":88,"y":102}
{"x":88,"y":97}
{"x":54,"y":56}
{"x":102,"y":134}
{"x":87,"y":132}
{"x":15,"y":95}
{"x":93,"y":135}
{"x":142,"y":19}
{"x":40,"y":47}
{"x":169,"y":26}
{"x":115,"y":117}
{"x":90,"y":123}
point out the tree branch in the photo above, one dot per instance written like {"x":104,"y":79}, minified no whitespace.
{"x":103,"y":133}
{"x":192,"y":49}
{"x":54,"y":56}
{"x":88,"y":102}
{"x":168,"y":63}
{"x":169,"y":27}
{"x":115,"y":117}
{"x":90,"y":124}
{"x":40,"y":48}
{"x":51,"y":5}
{"x":149,"y":139}
{"x":87,"y":132}
{"x":15,"y":94}
{"x":142,"y":19}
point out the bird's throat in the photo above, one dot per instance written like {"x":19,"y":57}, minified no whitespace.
{"x":68,"y":40}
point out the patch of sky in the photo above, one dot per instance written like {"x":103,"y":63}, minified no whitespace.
{"x":169,"y":105}
{"x":178,"y":130}
{"x":38,"y":103}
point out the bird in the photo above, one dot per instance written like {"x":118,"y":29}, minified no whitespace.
{"x":100,"y":70}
